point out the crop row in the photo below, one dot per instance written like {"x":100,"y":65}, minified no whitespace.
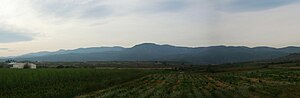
{"x":196,"y":85}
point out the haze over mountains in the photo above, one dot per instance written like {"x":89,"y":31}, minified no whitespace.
{"x":155,"y":52}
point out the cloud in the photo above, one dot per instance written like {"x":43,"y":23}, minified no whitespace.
{"x":73,"y":8}
{"x":97,"y":9}
{"x":12,"y":36}
{"x":3,"y":49}
{"x":84,"y":23}
{"x":164,"y":6}
{"x":274,"y":27}
{"x":254,"y":5}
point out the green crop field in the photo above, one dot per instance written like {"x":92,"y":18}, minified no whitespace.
{"x":141,"y":83}
{"x":283,"y":83}
{"x":60,"y":83}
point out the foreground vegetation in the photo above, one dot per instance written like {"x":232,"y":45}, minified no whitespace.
{"x":61,"y":83}
{"x":123,"y":80}
{"x":283,"y":83}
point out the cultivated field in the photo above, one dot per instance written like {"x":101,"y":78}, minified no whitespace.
{"x":267,"y":83}
{"x":61,"y":83}
{"x":141,"y":83}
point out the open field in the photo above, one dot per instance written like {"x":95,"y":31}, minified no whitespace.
{"x":61,"y":83}
{"x":232,"y":82}
{"x":267,"y":83}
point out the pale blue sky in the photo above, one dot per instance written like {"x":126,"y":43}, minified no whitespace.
{"x":48,"y":25}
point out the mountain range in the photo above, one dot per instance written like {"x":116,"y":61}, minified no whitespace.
{"x":155,"y":52}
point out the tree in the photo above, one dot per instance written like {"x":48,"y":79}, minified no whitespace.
{"x":265,"y":66}
{"x":209,"y":69}
{"x":26,"y":66}
{"x":9,"y":61}
{"x":60,"y":66}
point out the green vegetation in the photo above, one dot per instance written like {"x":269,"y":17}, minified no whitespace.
{"x":61,"y":83}
{"x":111,"y":64}
{"x":258,"y":79}
{"x":283,"y":83}
{"x":130,"y":83}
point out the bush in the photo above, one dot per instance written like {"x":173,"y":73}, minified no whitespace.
{"x":265,"y":66}
{"x":26,"y":66}
{"x":2,"y":65}
{"x":60,"y":66}
{"x":210,"y":69}
{"x":252,"y":89}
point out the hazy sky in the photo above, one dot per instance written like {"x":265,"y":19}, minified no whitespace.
{"x":48,"y":25}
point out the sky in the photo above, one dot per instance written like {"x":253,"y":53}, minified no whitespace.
{"x":47,"y":25}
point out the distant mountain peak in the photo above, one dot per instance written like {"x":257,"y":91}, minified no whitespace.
{"x":223,"y":46}
{"x":147,"y":44}
{"x":263,"y":47}
{"x":291,"y":47}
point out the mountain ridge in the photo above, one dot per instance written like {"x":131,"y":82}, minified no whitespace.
{"x":155,"y":52}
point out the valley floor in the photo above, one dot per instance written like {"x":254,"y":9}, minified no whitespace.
{"x":268,"y":83}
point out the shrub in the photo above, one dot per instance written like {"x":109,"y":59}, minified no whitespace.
{"x":26,"y":66}
{"x":60,"y":66}
{"x":252,"y":89}
{"x":209,"y":69}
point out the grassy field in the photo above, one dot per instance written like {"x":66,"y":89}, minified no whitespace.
{"x":141,"y":83}
{"x":267,"y":83}
{"x":61,"y":83}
